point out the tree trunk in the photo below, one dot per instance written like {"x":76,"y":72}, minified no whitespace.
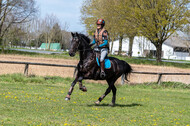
{"x":131,"y":38}
{"x":120,"y":44}
{"x":159,"y":52}
{"x":111,"y":46}
{"x":1,"y":42}
{"x":47,"y":46}
{"x":2,"y":46}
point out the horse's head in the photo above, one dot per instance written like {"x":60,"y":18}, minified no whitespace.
{"x":78,"y":42}
{"x":75,"y":42}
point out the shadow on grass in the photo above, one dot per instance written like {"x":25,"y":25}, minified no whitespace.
{"x":117,"y":105}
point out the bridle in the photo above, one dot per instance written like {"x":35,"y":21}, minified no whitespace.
{"x":77,"y":48}
{"x":79,"y":42}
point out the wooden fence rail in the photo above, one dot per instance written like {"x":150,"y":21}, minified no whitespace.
{"x":30,"y":63}
{"x":59,"y":65}
{"x":160,"y":74}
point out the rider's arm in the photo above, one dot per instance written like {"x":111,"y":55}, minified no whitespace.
{"x":93,"y":42}
{"x":105,"y":39}
{"x":104,"y":44}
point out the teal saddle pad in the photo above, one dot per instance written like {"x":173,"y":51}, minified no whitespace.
{"x":107,"y":63}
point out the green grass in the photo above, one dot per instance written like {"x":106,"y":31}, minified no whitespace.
{"x":64,"y":55}
{"x":40,"y":101}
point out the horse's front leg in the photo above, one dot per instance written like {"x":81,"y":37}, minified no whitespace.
{"x":68,"y":97}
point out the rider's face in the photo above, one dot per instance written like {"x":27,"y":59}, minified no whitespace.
{"x":99,"y":26}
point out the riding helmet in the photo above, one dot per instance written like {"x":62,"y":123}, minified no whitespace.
{"x":100,"y":22}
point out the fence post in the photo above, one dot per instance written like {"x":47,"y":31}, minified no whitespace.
{"x":159,"y":79}
{"x":26,"y":69}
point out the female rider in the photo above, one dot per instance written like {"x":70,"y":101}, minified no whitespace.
{"x":101,"y":41}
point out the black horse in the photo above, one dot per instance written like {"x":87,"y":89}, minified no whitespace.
{"x":89,"y":69}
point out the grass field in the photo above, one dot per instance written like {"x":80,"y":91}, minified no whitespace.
{"x":64,"y":55}
{"x":40,"y":101}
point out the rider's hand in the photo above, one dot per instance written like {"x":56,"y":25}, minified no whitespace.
{"x":91,"y":44}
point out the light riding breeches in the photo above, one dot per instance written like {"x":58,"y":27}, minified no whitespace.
{"x":104,"y":53}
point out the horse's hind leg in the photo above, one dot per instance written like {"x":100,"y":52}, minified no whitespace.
{"x":114,"y":95}
{"x":113,"y":88}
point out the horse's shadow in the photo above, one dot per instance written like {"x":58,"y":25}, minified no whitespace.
{"x":117,"y":105}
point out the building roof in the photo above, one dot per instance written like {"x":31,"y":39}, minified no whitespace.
{"x":176,"y":41}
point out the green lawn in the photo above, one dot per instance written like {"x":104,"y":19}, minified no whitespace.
{"x":40,"y":101}
{"x":64,"y":55}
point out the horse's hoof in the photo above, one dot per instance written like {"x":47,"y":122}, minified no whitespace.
{"x":84,"y":89}
{"x":67,"y":99}
{"x":97,"y":102}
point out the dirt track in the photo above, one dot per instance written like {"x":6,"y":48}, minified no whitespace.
{"x":68,"y":72}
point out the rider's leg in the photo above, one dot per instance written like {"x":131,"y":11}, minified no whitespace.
{"x":104,"y":52}
{"x":102,"y":69}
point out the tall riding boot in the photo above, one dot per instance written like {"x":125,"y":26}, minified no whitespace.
{"x":102,"y":74}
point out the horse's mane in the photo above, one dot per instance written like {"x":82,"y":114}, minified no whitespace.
{"x":85,"y":37}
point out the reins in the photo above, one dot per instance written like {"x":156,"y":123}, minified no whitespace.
{"x":86,"y":43}
{"x":83,"y":49}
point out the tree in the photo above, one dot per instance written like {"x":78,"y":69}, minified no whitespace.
{"x":14,"y":36}
{"x":47,"y":25}
{"x":33,"y":29}
{"x":127,"y":26}
{"x":56,"y":33}
{"x":115,"y":12}
{"x":14,"y":12}
{"x":46,"y":30}
{"x":41,"y":38}
{"x":158,"y":19}
{"x":186,"y":37}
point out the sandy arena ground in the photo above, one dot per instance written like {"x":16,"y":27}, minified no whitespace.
{"x":68,"y":72}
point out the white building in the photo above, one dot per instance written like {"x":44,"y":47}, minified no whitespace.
{"x":172,"y":48}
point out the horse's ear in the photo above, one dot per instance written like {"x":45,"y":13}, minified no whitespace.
{"x":72,"y":34}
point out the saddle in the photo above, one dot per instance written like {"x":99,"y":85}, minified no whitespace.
{"x":107,"y":62}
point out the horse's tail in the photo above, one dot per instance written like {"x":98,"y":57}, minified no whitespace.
{"x":128,"y":70}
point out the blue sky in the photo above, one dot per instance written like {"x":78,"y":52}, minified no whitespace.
{"x":65,"y":10}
